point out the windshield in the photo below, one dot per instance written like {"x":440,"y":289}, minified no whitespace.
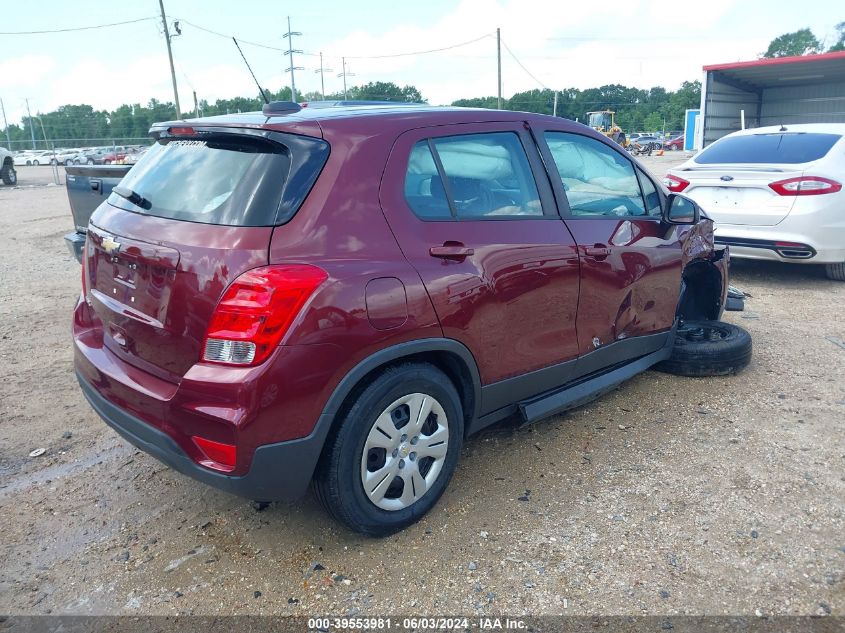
{"x":223,"y":178}
{"x":776,"y":148}
{"x":599,"y":119}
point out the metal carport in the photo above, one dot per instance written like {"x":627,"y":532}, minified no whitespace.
{"x":807,"y":89}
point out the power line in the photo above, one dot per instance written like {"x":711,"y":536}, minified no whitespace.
{"x":387,"y":56}
{"x":527,"y":72}
{"x":78,"y":28}
{"x":433,"y":50}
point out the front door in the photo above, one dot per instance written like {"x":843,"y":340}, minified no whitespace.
{"x":630,"y":260}
{"x":473,"y":212}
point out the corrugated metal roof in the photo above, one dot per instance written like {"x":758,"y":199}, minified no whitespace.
{"x":785,"y":71}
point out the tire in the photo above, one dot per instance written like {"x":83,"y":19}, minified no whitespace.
{"x":370,"y":441}
{"x":621,"y":139}
{"x":8,"y":174}
{"x":90,"y":161}
{"x":835,"y":271}
{"x":54,"y":162}
{"x":35,"y":163}
{"x":708,"y":348}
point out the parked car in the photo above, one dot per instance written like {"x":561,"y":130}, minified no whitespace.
{"x":774,"y":192}
{"x":7,"y":167}
{"x":34,"y":157}
{"x":94,"y":156}
{"x":63,"y":156}
{"x":674,"y":144}
{"x":417,"y":274}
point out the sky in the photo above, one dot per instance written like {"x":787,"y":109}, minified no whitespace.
{"x":641,"y":43}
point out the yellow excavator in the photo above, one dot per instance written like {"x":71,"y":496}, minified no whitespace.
{"x":604,"y":121}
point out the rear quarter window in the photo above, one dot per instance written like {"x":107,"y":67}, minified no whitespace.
{"x":784,"y":148}
{"x":225,"y":178}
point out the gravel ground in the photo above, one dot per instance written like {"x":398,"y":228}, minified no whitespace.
{"x":668,"y":496}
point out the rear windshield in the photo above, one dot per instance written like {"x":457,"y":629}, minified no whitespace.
{"x":224,"y":178}
{"x":786,"y":148}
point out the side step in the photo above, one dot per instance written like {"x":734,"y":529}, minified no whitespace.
{"x":590,"y":388}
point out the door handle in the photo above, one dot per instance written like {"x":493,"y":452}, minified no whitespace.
{"x":451,"y":250}
{"x":597,"y":251}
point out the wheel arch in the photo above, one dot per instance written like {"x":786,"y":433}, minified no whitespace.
{"x":448,"y":355}
{"x":701,"y":291}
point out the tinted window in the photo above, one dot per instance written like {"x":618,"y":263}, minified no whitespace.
{"x":487,"y":175}
{"x":423,"y":188}
{"x":650,"y":194}
{"x":768,"y":148}
{"x":228,"y":179}
{"x":597,"y":179}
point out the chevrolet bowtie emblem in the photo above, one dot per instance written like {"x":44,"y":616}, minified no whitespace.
{"x":110,"y":245}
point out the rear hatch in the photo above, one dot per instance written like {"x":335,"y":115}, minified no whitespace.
{"x":731,"y":179}
{"x":194,"y":213}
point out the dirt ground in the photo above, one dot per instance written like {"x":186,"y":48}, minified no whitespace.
{"x":668,"y":496}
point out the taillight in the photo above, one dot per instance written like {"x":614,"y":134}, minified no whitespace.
{"x":256,"y":311}
{"x":805,"y":186}
{"x":84,"y":283}
{"x":674,"y":183}
{"x":219,"y":456}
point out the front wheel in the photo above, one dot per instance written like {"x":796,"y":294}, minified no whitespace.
{"x":708,"y":348}
{"x":395,"y":451}
{"x":8,"y":174}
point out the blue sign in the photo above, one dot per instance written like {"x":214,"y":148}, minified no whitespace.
{"x":689,"y":129}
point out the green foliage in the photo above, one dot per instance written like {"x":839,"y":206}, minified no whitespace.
{"x":635,"y":109}
{"x":801,"y":42}
{"x":839,"y":45}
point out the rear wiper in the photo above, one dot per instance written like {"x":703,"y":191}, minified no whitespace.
{"x":133,"y":196}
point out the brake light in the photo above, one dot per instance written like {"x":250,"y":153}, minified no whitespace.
{"x":181,"y":131}
{"x":256,"y":311}
{"x":675,"y":184}
{"x":220,"y":456}
{"x":805,"y":186}
{"x":84,"y":283}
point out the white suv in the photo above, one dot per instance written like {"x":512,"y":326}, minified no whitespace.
{"x":774,"y":192}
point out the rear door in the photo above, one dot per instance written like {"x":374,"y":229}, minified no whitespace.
{"x":196,"y":212}
{"x":630,"y":261}
{"x":472,"y":211}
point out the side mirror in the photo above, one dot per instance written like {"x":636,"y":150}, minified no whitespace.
{"x":681,"y":210}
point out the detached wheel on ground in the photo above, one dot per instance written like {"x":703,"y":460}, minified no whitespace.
{"x":8,"y":174}
{"x":708,"y":348}
{"x":395,"y":451}
{"x":835,"y":271}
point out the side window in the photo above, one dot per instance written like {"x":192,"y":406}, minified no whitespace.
{"x":597,"y":179}
{"x":650,"y":195}
{"x":423,"y":189}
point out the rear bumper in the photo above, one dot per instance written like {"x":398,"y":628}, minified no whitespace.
{"x":279,"y":472}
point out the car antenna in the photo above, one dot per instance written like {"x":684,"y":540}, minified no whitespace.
{"x":260,"y":89}
{"x":782,"y":128}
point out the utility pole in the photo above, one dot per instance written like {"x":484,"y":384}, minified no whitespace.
{"x":554,"y":107}
{"x":6,"y":125}
{"x":499,"y":61}
{"x":322,"y":80}
{"x":170,"y":56}
{"x":196,"y":105}
{"x":31,"y":128}
{"x":289,"y":35}
{"x":345,"y":74}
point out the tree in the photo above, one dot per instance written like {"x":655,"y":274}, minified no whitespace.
{"x":840,"y":43}
{"x":801,"y":42}
{"x":383,"y":91}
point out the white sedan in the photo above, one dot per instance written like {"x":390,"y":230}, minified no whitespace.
{"x":775,"y":193}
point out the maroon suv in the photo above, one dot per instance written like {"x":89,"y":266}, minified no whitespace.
{"x":342,"y":295}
